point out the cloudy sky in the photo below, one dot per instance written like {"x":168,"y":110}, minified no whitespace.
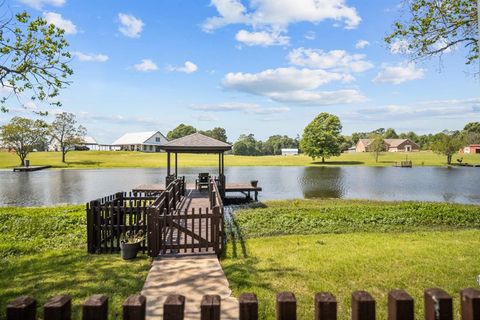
{"x":252,"y":66}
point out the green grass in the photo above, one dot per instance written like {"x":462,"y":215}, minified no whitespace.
{"x":43,"y":253}
{"x":341,"y":246}
{"x":126,"y":159}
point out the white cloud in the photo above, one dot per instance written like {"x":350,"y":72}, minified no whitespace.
{"x":130,"y":26}
{"x":261,"y":38}
{"x":60,"y":22}
{"x":399,"y":73}
{"x":338,"y":60}
{"x":88,"y":57}
{"x":146,"y":65}
{"x":278,"y":14}
{"x":400,"y":46}
{"x":38,"y":4}
{"x":362,"y":44}
{"x":239,"y":106}
{"x":293,"y":85}
{"x":188,"y":67}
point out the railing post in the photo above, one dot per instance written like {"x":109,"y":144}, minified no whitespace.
{"x":286,"y":306}
{"x":438,"y":305}
{"x":470,"y":302}
{"x":95,"y":308}
{"x":400,"y":305}
{"x":174,"y":307}
{"x":134,"y":308}
{"x":210,"y":307}
{"x":248,"y":306}
{"x":58,"y":308}
{"x":22,"y":308}
{"x":363,"y":306}
{"x":325,"y":306}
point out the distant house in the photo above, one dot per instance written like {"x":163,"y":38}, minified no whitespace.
{"x":149,"y":141}
{"x":289,"y":152}
{"x":90,"y":143}
{"x":471,"y":149}
{"x":391,"y":145}
{"x":87,"y":142}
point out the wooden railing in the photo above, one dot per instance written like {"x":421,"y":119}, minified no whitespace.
{"x":216,"y":204}
{"x":111,"y":217}
{"x":438,"y":305}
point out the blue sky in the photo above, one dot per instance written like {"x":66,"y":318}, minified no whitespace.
{"x":258,"y":66}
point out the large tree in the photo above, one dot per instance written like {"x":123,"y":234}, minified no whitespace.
{"x":33,"y":60}
{"x":22,"y":135}
{"x":322,"y":137}
{"x":66,"y":133}
{"x":448,"y":144}
{"x":390,"y":133}
{"x":377,"y":145}
{"x":247,"y":145}
{"x":216,"y":133}
{"x":181,"y":130}
{"x":433,"y":27}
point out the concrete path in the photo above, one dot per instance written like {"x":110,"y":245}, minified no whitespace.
{"x":191,"y":276}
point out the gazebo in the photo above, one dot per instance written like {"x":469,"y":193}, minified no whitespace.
{"x":196,"y":143}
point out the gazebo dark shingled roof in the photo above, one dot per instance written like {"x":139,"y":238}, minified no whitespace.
{"x":197,"y":143}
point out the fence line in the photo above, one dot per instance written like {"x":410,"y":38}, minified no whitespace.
{"x":437,"y":306}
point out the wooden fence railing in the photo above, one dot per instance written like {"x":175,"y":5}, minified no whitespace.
{"x":437,"y":306}
{"x":111,"y":217}
{"x":216,"y":204}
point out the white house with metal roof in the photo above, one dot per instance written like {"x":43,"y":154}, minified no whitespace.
{"x":149,"y":141}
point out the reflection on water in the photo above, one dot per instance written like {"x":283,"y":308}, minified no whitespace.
{"x":420,"y":183}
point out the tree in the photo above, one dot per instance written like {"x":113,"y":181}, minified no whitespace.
{"x":22,"y":135}
{"x":246,"y":145}
{"x":216,"y":133}
{"x":434,"y":27}
{"x":321,"y":137}
{"x":377,"y":146}
{"x":65,"y":131}
{"x":181,"y":130}
{"x":276,"y":143}
{"x":390,"y":134}
{"x":448,"y":144}
{"x":34,"y":59}
{"x":472,"y":127}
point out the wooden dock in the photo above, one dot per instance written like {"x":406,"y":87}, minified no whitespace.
{"x":244,"y":188}
{"x":30,"y":168}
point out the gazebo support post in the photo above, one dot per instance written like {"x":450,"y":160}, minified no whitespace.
{"x":176,"y":165}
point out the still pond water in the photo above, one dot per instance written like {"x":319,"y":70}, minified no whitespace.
{"x":51,"y":187}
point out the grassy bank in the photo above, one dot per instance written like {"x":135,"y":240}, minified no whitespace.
{"x":125,"y":159}
{"x":43,"y":253}
{"x":341,"y":246}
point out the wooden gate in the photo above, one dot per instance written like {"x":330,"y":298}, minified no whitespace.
{"x":188,"y":228}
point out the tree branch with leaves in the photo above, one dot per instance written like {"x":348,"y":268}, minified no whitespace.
{"x":33,"y":60}
{"x":66,"y":133}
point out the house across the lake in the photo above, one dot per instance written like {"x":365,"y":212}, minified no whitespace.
{"x":391,"y":145}
{"x":149,"y":141}
{"x":471,"y":149}
{"x":289,"y":152}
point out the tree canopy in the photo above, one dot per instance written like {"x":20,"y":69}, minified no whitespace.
{"x":181,"y":130}
{"x":66,"y":133}
{"x":322,"y":137}
{"x":435,"y":27}
{"x":22,"y":135}
{"x":448,"y":144}
{"x":34,"y":60}
{"x":216,"y":133}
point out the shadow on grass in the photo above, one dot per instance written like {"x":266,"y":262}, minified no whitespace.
{"x":339,"y":163}
{"x":72,"y":272}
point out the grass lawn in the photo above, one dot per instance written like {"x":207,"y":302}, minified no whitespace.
{"x":43,"y":253}
{"x":124,"y":159}
{"x":341,"y":246}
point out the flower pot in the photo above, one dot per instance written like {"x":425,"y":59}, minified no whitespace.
{"x":129,"y":250}
{"x":254,"y":183}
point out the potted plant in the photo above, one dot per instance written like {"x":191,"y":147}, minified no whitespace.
{"x":254,"y":183}
{"x":130,"y":244}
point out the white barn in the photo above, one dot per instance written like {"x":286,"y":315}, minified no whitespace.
{"x":289,"y":152}
{"x":149,"y":141}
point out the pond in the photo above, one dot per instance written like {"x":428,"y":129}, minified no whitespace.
{"x":51,"y":187}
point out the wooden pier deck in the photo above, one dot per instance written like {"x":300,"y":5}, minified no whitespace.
{"x":30,"y":168}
